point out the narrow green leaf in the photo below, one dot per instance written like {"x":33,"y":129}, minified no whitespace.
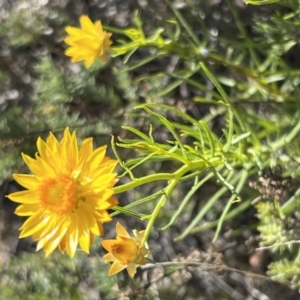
{"x":138,"y":133}
{"x":168,"y":124}
{"x":205,"y":209}
{"x":243,"y":177}
{"x":128,"y":212}
{"x":186,"y":199}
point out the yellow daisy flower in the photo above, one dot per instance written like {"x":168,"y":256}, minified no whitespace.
{"x":67,"y":195}
{"x":87,"y":43}
{"x":125,"y":251}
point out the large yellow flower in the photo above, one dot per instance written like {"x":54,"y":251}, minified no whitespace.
{"x":67,"y":195}
{"x":125,"y":251}
{"x":87,"y":43}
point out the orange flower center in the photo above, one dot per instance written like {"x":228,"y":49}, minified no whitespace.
{"x":59,"y":195}
{"x":125,"y":251}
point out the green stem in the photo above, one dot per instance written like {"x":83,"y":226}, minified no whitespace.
{"x":287,"y":138}
{"x":237,"y":211}
{"x":243,"y":177}
{"x":184,"y":24}
{"x":292,"y":204}
{"x":140,"y":181}
{"x":176,"y":177}
{"x":186,"y":199}
{"x":162,"y":176}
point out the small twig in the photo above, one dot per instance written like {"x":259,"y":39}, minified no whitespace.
{"x":279,"y":244}
{"x":207,"y":266}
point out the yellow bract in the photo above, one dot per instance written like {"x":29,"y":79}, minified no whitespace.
{"x":125,"y":251}
{"x":67,"y":195}
{"x":87,"y":43}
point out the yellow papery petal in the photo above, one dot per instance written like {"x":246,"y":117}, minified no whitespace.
{"x":38,"y":166}
{"x":125,"y":251}
{"x":86,"y":149}
{"x":84,"y":235}
{"x":51,"y":228}
{"x":88,"y":215}
{"x":115,"y":268}
{"x":29,"y":182}
{"x":63,"y":206}
{"x":88,"y":42}
{"x":73,"y":31}
{"x":26,"y":209}
{"x":104,"y":183}
{"x":87,"y":25}
{"x":96,"y":158}
{"x":84,"y":241}
{"x":102,"y":215}
{"x":89,"y":60}
{"x":72,"y":242}
{"x":33,"y":224}
{"x":131,"y":269}
{"x":53,"y":144}
{"x":43,"y":148}
{"x":63,"y":244}
{"x":121,"y":231}
{"x":108,"y":245}
{"x":99,"y":29}
{"x":52,"y":243}
{"x":29,"y":197}
{"x":108,"y":257}
{"x":69,"y":150}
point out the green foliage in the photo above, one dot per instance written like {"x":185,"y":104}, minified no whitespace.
{"x":48,"y":111}
{"x":215,"y":110}
{"x":241,"y":150}
{"x":51,"y":97}
{"x":58,"y":277}
{"x":286,"y":271}
{"x":289,"y":3}
{"x":27,"y":21}
{"x":280,"y":233}
{"x":250,"y":138}
{"x":273,"y":227}
{"x":204,"y":153}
